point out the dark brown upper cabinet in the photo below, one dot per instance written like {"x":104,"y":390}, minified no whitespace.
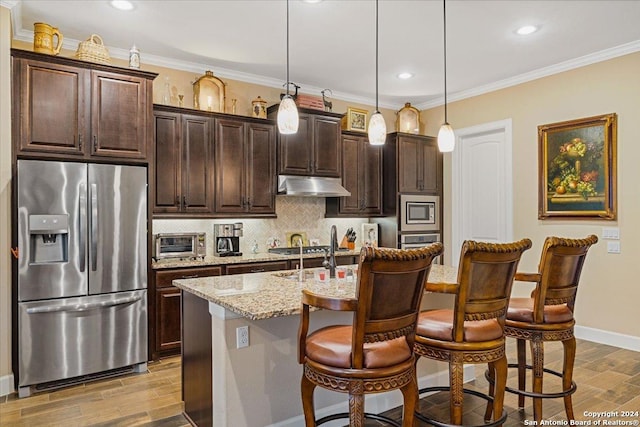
{"x":411,"y":164}
{"x":73,"y":109}
{"x":183,"y":172}
{"x":361,"y":171}
{"x":245,"y":158}
{"x":315,"y":149}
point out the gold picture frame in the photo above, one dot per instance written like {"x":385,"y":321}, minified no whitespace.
{"x":356,"y":120}
{"x":577,"y":168}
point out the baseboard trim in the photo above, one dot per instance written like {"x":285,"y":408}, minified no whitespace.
{"x":6,"y":385}
{"x":379,"y":402}
{"x":628,"y":342}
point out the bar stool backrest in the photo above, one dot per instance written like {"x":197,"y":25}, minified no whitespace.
{"x":485,"y":277}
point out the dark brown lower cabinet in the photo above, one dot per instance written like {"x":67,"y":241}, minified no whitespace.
{"x":196,"y":360}
{"x":164,"y":315}
{"x":257,"y":267}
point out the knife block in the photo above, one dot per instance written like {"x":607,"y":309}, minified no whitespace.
{"x":346,"y":244}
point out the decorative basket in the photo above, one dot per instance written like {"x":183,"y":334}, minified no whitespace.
{"x":93,"y":50}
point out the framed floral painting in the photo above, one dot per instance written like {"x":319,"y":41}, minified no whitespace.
{"x":577,"y":168}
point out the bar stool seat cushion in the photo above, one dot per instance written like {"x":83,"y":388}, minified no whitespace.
{"x":521,"y":310}
{"x":332,"y":346}
{"x":438,"y":324}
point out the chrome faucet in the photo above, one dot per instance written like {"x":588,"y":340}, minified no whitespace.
{"x":333,"y":246}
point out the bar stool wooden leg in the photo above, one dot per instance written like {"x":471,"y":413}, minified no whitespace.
{"x":410,"y":395}
{"x":492,"y":379}
{"x":356,"y":404}
{"x":500,"y":367}
{"x":306,"y":388}
{"x":567,"y":373}
{"x":456,"y":382}
{"x":537,"y":355}
{"x":522,"y":372}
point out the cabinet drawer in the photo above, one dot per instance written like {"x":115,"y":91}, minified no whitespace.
{"x":164,"y":278}
{"x":257,"y":267}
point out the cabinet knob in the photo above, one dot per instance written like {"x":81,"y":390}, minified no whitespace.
{"x":95,"y":143}
{"x":184,"y":201}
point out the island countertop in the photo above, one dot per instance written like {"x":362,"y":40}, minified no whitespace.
{"x":266,"y":295}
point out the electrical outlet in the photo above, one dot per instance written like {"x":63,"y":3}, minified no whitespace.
{"x":242,"y":337}
{"x":613,"y":247}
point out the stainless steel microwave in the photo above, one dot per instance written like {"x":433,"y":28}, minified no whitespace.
{"x":179,"y":245}
{"x":419,"y":213}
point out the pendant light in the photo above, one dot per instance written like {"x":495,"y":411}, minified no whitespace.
{"x":288,"y":112}
{"x":377,"y":126}
{"x":446,"y":137}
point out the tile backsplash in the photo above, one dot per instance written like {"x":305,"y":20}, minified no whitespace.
{"x":294,"y":214}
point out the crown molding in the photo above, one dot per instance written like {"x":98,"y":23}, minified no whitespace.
{"x":571,"y":64}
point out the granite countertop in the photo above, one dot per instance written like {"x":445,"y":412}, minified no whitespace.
{"x":244,"y":258}
{"x":258,"y":296}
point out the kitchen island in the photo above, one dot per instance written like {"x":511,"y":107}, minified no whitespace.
{"x":259,"y":385}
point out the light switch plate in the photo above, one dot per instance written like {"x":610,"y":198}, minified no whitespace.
{"x":613,"y":247}
{"x":611,"y":233}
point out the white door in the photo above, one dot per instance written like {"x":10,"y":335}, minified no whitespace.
{"x":482,"y":207}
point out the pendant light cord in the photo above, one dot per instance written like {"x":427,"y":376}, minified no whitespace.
{"x":377,"y":111}
{"x":287,"y":47}
{"x":444,"y":13}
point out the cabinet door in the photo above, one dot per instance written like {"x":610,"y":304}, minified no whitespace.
{"x":50,"y":107}
{"x":295,"y":150}
{"x":167,"y":163}
{"x":431,"y":172}
{"x":326,"y":145}
{"x":197,"y":164}
{"x":351,"y":150}
{"x":371,"y":178}
{"x":409,"y":164}
{"x":260,"y":170}
{"x":168,"y":319}
{"x":230,"y":166}
{"x":118,"y":115}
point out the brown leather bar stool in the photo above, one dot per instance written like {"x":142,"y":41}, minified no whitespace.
{"x":473,"y":331}
{"x":548,"y":316}
{"x":374,"y":353}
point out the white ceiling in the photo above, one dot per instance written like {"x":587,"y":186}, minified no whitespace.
{"x":332,"y":43}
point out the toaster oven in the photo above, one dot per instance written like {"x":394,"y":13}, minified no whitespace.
{"x":179,"y":245}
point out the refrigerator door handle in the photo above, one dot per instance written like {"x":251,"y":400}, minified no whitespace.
{"x":82,"y":238}
{"x":94,"y":227}
{"x":83,"y":307}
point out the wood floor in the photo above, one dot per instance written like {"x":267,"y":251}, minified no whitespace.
{"x":608,"y":379}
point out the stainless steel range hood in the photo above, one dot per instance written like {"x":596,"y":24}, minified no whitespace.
{"x":310,"y":186}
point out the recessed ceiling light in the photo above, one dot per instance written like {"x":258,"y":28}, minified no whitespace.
{"x":405,"y":76}
{"x":526,"y":30}
{"x":122,"y":4}
{"x":312,"y":1}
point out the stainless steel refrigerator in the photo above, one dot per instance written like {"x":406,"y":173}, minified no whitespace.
{"x":82,"y":271}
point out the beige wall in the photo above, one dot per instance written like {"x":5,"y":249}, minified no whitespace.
{"x":5,"y":194}
{"x":609,"y":292}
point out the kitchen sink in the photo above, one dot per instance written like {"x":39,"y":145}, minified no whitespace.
{"x":293,"y":275}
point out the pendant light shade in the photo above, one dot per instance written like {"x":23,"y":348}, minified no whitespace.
{"x":288,"y":112}
{"x":377,"y":127}
{"x":287,"y":116}
{"x":446,"y":137}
